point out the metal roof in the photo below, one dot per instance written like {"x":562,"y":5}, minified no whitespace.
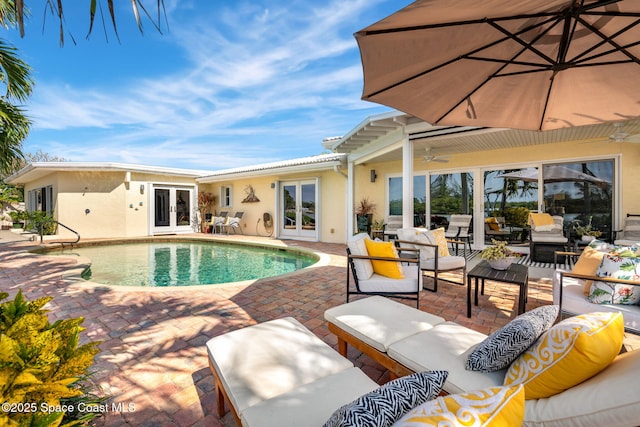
{"x":37,"y":170}
{"x":304,"y":164}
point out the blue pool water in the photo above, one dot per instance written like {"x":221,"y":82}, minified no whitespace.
{"x":185,"y":263}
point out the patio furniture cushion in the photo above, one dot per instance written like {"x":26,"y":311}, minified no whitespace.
{"x":392,"y":270}
{"x":438,"y":238}
{"x":309,"y":404}
{"x":588,"y":264}
{"x":497,"y":406}
{"x":542,"y":221}
{"x":444,"y":263}
{"x":385,"y":405}
{"x":378,"y":283}
{"x":379,"y":321}
{"x":357,"y":246}
{"x":262,"y":361}
{"x":607,"y":399}
{"x":617,"y":267}
{"x":446,"y":346}
{"x":570,"y":352}
{"x":502,"y":347}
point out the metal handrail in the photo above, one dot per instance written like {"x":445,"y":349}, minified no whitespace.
{"x":41,"y":230}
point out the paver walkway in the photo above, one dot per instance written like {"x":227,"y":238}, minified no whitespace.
{"x":153,"y":359}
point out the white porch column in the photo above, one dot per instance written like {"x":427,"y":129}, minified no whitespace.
{"x":407,"y":181}
{"x":349,"y":195}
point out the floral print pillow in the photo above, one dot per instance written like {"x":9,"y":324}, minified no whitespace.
{"x":617,"y":267}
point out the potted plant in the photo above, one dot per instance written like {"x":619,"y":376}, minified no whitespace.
{"x":499,"y":256}
{"x":364,"y":214}
{"x":586,"y":232}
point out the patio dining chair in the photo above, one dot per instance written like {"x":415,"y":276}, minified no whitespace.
{"x":218,"y":222}
{"x":459,"y":229}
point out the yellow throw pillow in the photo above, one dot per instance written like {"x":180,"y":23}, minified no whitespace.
{"x":440,"y":240}
{"x":588,"y":264}
{"x":389,"y":269}
{"x":493,"y":223}
{"x":567,"y":354}
{"x":496,"y":406}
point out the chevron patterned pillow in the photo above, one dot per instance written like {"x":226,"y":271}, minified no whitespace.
{"x":385,"y":405}
{"x":502,"y":347}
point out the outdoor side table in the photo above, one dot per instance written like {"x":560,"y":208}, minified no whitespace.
{"x":516,"y":274}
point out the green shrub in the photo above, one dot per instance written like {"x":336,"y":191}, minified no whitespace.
{"x":35,"y":218}
{"x":43,"y":371}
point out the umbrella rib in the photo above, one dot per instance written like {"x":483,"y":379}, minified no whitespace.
{"x":606,"y":39}
{"x":508,"y":35}
{"x":609,"y":40}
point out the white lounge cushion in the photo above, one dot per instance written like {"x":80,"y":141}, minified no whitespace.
{"x":574,"y":301}
{"x":451,"y":262}
{"x":311,"y":404}
{"x":378,"y":283}
{"x":607,"y":399}
{"x":380,"y":321}
{"x":446,"y":347}
{"x":364,"y":268}
{"x":271,"y":358}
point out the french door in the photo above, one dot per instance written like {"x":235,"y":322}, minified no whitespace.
{"x":172,"y":209}
{"x":298,"y":209}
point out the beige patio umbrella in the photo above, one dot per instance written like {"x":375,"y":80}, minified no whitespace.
{"x":553,"y":173}
{"x":541,"y":64}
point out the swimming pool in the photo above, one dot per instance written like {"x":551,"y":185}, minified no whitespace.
{"x":185,"y":263}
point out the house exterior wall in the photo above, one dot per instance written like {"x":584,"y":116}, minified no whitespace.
{"x":331,"y":202}
{"x":101,"y":204}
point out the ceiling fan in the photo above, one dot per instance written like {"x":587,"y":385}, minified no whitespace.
{"x":619,"y":135}
{"x":433,"y":158}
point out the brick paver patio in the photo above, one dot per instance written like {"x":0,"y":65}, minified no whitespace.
{"x":153,"y":359}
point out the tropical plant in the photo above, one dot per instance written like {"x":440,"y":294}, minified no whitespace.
{"x":586,"y":230}
{"x":499,"y":250}
{"x":43,"y":369}
{"x":14,"y":124}
{"x":205,"y":201}
{"x":365,"y":207}
{"x":377,"y":224}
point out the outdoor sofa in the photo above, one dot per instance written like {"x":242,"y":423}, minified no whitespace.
{"x":406,"y":340}
{"x":605,"y":277}
{"x":278,"y":373}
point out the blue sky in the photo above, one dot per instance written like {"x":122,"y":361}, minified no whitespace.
{"x":229,"y":84}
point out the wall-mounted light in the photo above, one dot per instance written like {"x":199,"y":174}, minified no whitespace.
{"x":141,"y":188}
{"x":273,"y":185}
{"x":373,"y":175}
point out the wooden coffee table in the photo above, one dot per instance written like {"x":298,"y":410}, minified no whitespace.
{"x":516,"y":274}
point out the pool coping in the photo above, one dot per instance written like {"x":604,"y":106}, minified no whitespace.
{"x":73,"y":275}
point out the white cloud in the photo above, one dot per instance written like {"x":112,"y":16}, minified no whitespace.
{"x":249,"y":77}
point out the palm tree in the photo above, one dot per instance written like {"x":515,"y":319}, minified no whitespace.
{"x":14,"y":124}
{"x":13,"y":12}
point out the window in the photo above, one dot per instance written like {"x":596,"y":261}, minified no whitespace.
{"x":225,"y":197}
{"x":419,"y":198}
{"x":40,"y":199}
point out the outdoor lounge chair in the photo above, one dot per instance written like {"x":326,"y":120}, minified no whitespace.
{"x":423,"y":244}
{"x":459,"y":230}
{"x":547,"y":236}
{"x":233,"y":223}
{"x":369,"y":282}
{"x":630,"y":233}
{"x":494,"y":228}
